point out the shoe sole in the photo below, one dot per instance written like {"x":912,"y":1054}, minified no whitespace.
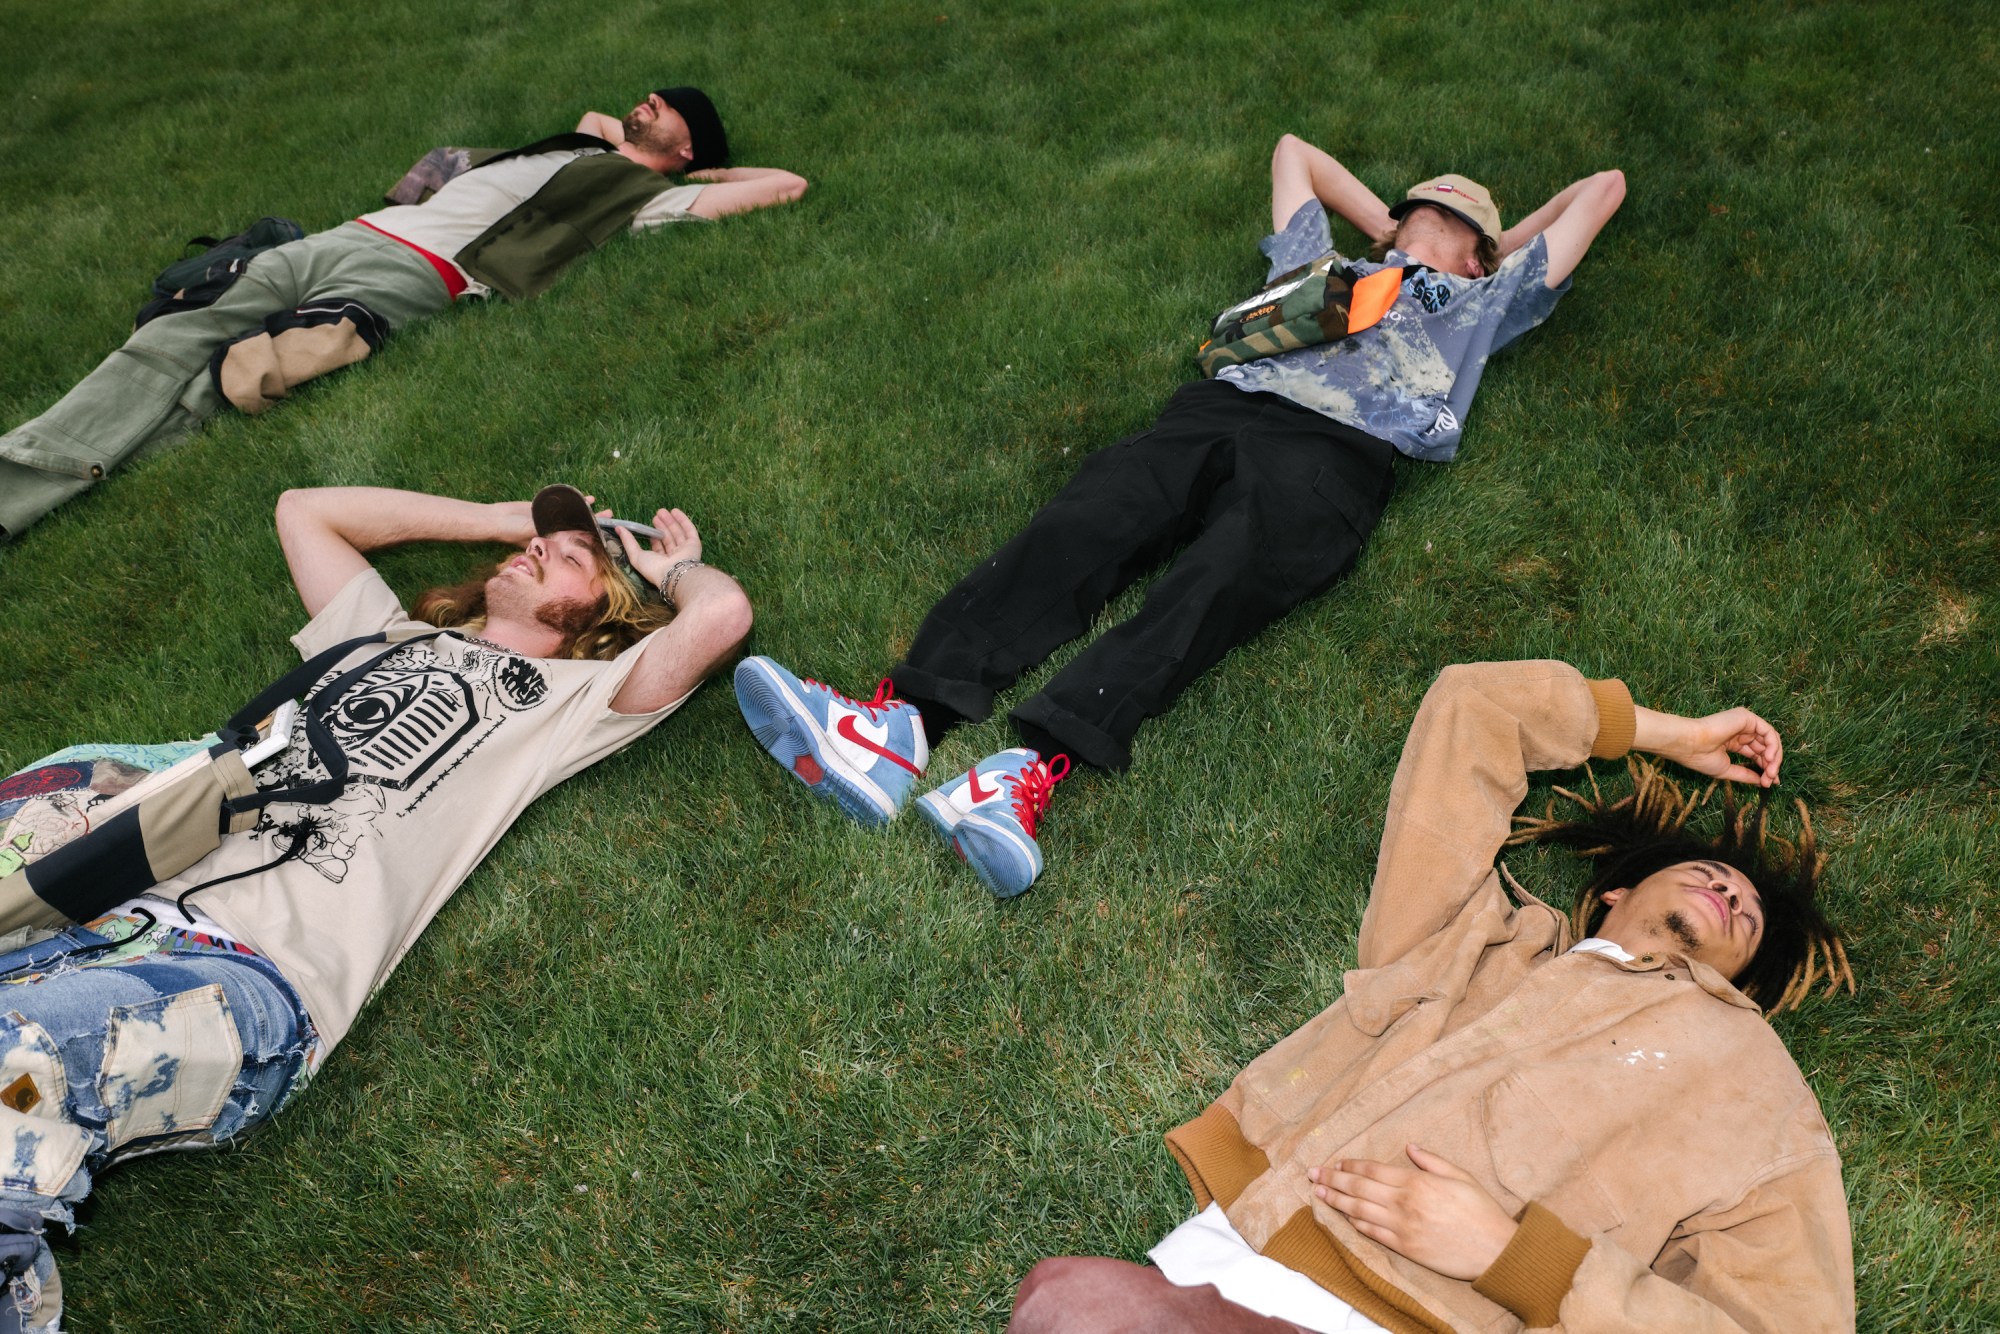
{"x":948,"y":820}
{"x":788,"y":733}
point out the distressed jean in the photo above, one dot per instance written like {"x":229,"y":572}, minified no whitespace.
{"x":104,"y":1058}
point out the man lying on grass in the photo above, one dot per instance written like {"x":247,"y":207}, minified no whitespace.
{"x":511,"y":224}
{"x":1271,"y":475}
{"x":1497,"y":1125}
{"x":191,"y":1013}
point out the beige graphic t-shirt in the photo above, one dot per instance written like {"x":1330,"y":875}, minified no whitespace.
{"x":447,"y":742}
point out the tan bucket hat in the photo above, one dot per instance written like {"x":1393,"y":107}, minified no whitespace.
{"x":1466,"y":199}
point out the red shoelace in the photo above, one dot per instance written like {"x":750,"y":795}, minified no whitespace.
{"x":1031,"y":789}
{"x":885,"y":697}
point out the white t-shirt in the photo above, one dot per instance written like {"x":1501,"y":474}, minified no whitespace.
{"x":1208,"y":1249}
{"x":472,"y":201}
{"x":447,"y":741}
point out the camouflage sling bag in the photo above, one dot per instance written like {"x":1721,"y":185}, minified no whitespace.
{"x":1320,"y":302}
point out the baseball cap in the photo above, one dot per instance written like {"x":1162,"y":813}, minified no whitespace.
{"x":561,"y":508}
{"x":705,"y":134}
{"x":1463,"y":198}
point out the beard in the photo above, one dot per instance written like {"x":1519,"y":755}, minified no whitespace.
{"x":651,"y":136}
{"x":511,"y":599}
{"x":570,"y":617}
{"x":1682,"y":930}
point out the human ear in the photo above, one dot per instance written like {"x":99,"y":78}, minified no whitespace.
{"x":1611,"y":897}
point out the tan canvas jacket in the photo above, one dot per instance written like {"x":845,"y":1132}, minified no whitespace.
{"x":1671,"y":1168}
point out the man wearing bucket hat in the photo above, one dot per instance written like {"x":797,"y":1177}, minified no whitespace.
{"x":471,"y":223}
{"x":190,"y":1012}
{"x":1267,"y":478}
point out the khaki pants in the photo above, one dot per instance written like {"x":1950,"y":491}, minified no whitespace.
{"x":157,"y":388}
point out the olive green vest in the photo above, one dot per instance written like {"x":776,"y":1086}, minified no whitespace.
{"x":581,"y":207}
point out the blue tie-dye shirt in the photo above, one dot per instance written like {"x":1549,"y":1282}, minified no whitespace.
{"x":1411,"y":378}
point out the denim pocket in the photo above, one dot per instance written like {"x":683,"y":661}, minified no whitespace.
{"x":169,"y":1065}
{"x":31,"y":1068}
{"x":40,"y":1150}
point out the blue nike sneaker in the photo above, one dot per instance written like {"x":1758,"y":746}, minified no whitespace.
{"x":863,"y":756}
{"x":989,"y":816}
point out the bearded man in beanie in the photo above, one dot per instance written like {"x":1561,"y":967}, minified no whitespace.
{"x":1268,"y":478}
{"x":463,"y":224}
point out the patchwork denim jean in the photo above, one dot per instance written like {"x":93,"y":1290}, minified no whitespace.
{"x":105,"y":1056}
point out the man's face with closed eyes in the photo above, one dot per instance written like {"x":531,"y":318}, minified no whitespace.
{"x":1703,"y":909}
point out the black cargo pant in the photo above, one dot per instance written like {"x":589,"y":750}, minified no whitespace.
{"x":1272,"y":502}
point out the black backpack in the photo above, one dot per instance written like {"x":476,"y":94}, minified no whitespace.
{"x":194,"y":281}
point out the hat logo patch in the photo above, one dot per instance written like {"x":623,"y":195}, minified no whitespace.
{"x":1443,"y":189}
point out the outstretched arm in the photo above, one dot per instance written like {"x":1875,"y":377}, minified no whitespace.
{"x":608,"y":128}
{"x":740,"y":189}
{"x":1571,"y":221}
{"x":1300,"y":172}
{"x":712,"y":622}
{"x":327,"y":531}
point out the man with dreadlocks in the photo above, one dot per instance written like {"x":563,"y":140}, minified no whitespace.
{"x":1498,"y":1126}
{"x":190,"y":1013}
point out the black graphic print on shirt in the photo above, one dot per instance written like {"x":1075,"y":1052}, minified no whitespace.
{"x":405,"y":726}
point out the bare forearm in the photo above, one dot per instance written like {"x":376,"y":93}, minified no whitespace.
{"x":608,"y":128}
{"x":1528,"y":228}
{"x":1300,"y":170}
{"x":740,"y":189}
{"x":369,"y":518}
{"x":699,"y":584}
{"x":1569,"y":222}
{"x":1706,"y":744}
{"x":718,"y":174}
{"x":712,"y":623}
{"x":326,"y":530}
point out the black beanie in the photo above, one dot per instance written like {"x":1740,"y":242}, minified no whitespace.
{"x":705,"y":135}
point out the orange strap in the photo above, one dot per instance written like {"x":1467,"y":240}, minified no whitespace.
{"x":1370,"y":299}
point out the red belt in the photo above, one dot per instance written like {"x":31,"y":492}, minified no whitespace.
{"x":454,"y":281}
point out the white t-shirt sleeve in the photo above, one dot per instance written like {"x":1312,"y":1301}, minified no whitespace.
{"x":669,"y":206}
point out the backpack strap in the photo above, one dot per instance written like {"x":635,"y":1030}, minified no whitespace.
{"x":241,"y":730}
{"x":555,"y":143}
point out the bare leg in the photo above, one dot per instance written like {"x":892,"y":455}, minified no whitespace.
{"x":1082,"y":1294}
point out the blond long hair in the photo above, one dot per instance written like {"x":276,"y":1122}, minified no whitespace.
{"x":623,"y":617}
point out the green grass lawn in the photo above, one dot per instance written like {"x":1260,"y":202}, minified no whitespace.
{"x":689,"y":1052}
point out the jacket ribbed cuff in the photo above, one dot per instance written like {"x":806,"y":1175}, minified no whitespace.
{"x":1218,"y":1161}
{"x":1616,"y":721}
{"x":1532,"y":1276}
